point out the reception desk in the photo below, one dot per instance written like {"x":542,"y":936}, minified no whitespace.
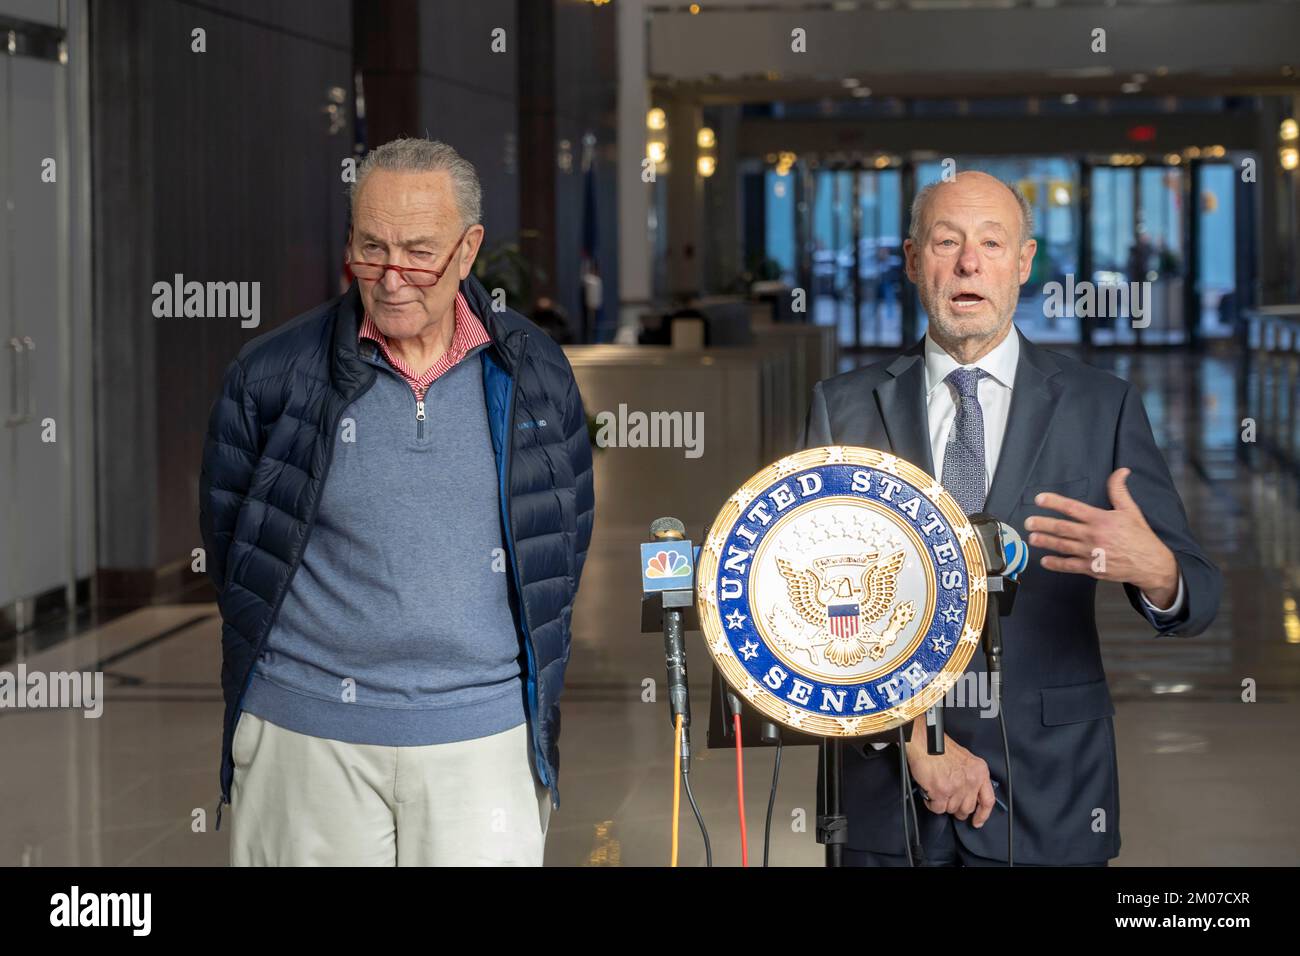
{"x":741,"y":408}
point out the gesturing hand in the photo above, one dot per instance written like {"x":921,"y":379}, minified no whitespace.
{"x":1114,"y":545}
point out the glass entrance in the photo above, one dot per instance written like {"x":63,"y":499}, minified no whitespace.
{"x":1139,"y":265}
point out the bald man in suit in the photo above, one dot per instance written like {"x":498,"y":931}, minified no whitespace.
{"x":1063,"y":453}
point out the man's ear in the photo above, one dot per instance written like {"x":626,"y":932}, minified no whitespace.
{"x":469,"y":249}
{"x":1027,"y":250}
{"x":909,"y":259}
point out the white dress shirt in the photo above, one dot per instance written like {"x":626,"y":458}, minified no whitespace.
{"x":994,"y":391}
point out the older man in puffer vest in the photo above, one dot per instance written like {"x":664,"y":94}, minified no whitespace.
{"x":396,"y":500}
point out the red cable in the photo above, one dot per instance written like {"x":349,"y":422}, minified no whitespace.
{"x":740,"y":791}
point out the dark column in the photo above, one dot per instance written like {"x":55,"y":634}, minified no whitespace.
{"x":684,"y":195}
{"x":855,"y":217}
{"x":1086,"y":323}
{"x":1138,"y":224}
{"x":535,"y":35}
{"x":754,"y":204}
{"x":386,"y":51}
{"x":805,"y":192}
{"x":907,"y":291}
{"x":1192,"y":255}
{"x":1245,"y":206}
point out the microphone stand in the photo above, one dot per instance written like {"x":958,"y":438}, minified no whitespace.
{"x":832,"y":823}
{"x":1001,"y":600}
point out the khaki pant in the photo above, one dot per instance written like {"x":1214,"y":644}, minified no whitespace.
{"x":307,"y":801}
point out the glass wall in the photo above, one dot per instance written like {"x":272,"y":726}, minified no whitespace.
{"x":779,"y":202}
{"x":1135,"y":291}
{"x":881,"y":246}
{"x":877,"y":321}
{"x":832,"y":252}
{"x":1139,"y":264}
{"x":1218,"y":250}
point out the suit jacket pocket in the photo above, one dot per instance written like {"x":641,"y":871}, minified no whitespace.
{"x":1071,"y":488}
{"x":1076,"y":702}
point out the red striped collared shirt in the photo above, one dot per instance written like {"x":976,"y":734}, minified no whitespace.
{"x":468,"y":334}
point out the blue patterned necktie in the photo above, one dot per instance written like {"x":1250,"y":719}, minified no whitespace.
{"x":963,"y":457}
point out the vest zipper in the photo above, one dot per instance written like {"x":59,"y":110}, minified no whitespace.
{"x":507,"y":442}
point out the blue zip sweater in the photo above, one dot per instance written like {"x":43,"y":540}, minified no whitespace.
{"x":267,"y":456}
{"x":397,"y":629}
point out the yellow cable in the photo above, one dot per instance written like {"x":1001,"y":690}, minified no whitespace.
{"x":677,"y":781}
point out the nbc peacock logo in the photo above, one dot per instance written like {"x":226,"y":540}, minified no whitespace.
{"x":667,"y":564}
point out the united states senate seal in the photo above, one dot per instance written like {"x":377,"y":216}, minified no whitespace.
{"x":841,"y":591}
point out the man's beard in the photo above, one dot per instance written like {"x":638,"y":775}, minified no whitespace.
{"x":955,"y":326}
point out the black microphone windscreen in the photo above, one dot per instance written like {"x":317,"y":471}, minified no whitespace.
{"x":667,"y":528}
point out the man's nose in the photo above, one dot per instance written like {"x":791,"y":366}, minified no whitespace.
{"x":968,"y":263}
{"x":393,"y":280}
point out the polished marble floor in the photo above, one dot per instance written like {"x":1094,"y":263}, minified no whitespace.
{"x":1205,"y":777}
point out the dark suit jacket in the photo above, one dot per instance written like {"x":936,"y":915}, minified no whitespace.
{"x":1069,"y":427}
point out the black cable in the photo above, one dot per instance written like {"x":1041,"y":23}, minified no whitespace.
{"x":1011,"y":802}
{"x":771,"y":802}
{"x":903,"y":794}
{"x":916,"y":823}
{"x":704,"y":831}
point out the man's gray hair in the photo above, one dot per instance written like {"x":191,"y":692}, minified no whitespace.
{"x":412,"y":155}
{"x":923,"y":197}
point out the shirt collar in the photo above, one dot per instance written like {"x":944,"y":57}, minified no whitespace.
{"x":468,"y":331}
{"x":1000,"y":363}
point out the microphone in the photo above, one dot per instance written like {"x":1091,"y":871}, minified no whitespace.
{"x":1005,"y":557}
{"x":1014,"y":550}
{"x":1005,"y":552}
{"x":996,"y":538}
{"x":679,"y":701}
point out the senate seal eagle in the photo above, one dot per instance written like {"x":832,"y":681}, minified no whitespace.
{"x":840,"y":596}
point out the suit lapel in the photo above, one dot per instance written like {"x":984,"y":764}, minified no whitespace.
{"x":1033,"y":403}
{"x":901,"y":402}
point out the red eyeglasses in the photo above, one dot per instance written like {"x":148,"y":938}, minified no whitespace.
{"x":372,"y":271}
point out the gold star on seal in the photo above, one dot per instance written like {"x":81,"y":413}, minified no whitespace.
{"x":742,"y":497}
{"x":785,"y":466}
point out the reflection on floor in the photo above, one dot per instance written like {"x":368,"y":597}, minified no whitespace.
{"x":1205,"y":778}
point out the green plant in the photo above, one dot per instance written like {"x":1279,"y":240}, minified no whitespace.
{"x":503,"y":266}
